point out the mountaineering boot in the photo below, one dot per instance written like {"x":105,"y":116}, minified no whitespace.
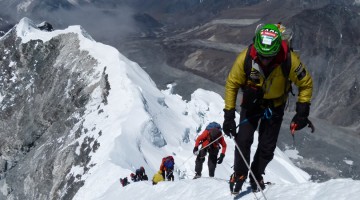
{"x":236,"y":182}
{"x":197,"y":176}
{"x":254,"y":186}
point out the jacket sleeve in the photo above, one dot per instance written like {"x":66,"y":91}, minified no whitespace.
{"x":301,"y":78}
{"x":223,"y":145}
{"x":235,"y":80}
{"x":162,"y":165}
{"x":201,"y":137}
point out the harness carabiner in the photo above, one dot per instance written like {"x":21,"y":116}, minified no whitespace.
{"x":267,"y":113}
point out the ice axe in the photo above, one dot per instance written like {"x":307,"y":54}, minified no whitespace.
{"x":293,"y":127}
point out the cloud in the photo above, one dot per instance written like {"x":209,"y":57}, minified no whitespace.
{"x":100,"y":23}
{"x":103,"y":24}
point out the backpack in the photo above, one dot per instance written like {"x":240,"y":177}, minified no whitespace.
{"x":214,"y":129}
{"x":138,"y":172}
{"x":214,"y":134}
{"x":213,"y":125}
{"x":169,"y":162}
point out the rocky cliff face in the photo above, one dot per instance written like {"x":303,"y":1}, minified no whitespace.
{"x":44,"y":88}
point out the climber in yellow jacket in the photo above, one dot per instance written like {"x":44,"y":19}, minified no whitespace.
{"x":157,"y":177}
{"x":263,"y":71}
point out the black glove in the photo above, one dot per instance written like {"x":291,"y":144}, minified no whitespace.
{"x":300,"y":120}
{"x":195,"y":151}
{"x":221,"y":158}
{"x":229,"y":125}
{"x":251,"y":97}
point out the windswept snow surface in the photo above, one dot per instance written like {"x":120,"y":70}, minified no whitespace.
{"x":215,"y":189}
{"x":141,"y":124}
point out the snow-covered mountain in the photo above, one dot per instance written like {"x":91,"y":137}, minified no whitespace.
{"x":77,"y":115}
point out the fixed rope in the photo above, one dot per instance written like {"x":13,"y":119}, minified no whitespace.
{"x":251,"y":172}
{"x":199,"y":151}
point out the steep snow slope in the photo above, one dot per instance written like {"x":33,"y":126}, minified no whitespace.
{"x":115,"y":120}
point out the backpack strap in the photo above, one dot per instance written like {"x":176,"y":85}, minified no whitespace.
{"x":285,"y":68}
{"x":248,"y":64}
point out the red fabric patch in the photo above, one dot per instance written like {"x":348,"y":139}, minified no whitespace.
{"x":268,"y":33}
{"x":280,"y":57}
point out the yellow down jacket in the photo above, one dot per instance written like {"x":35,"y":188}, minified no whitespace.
{"x":157,"y":177}
{"x":273,"y":86}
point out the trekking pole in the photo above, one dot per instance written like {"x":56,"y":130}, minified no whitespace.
{"x":251,"y":172}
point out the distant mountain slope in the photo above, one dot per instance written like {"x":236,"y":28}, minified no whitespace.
{"x":328,"y":42}
{"x":326,"y":39}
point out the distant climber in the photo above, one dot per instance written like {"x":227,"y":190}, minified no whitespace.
{"x":139,"y":175}
{"x":212,"y":134}
{"x":158,"y":177}
{"x":124,"y":181}
{"x":167,"y":168}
